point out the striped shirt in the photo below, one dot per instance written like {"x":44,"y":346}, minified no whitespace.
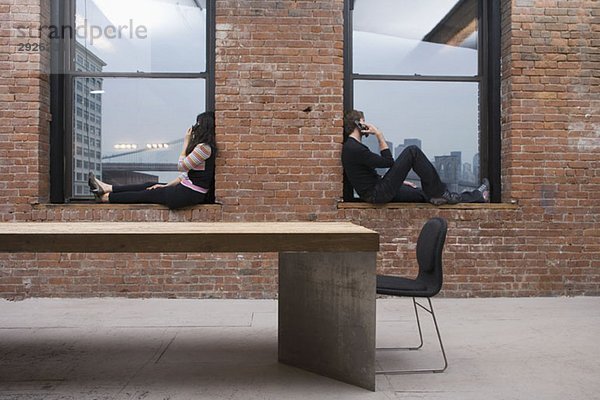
{"x":194,"y":161}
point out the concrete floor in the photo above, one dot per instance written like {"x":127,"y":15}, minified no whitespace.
{"x":83,"y":349}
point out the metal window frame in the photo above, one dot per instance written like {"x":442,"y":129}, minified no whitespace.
{"x":488,"y":78}
{"x":62,"y":79}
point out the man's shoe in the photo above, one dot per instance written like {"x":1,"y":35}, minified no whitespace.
{"x":446,"y":198}
{"x":485,"y":190}
{"x":94,"y":185}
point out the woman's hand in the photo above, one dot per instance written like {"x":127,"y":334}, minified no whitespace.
{"x":188,"y":136}
{"x":412,"y":185}
{"x":186,"y":141}
{"x":157,"y":186}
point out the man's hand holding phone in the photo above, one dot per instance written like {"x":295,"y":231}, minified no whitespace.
{"x":363,"y":128}
{"x":372,"y":130}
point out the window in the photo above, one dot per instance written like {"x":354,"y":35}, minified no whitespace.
{"x":427,"y":73}
{"x":140,"y":79}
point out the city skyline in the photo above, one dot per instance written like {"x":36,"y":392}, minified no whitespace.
{"x":458,"y":175}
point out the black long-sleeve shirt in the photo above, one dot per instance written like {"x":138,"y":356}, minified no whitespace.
{"x":359,"y":165}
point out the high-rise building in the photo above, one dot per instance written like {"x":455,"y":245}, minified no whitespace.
{"x":458,"y":155}
{"x":467,"y":172}
{"x":449,"y":169}
{"x":391,"y":147}
{"x":407,"y":142}
{"x":412,"y":142}
{"x":476,"y":166}
{"x":399,"y":149}
{"x":412,"y":176}
{"x":87,"y":120}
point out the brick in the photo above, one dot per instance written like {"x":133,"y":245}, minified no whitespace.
{"x":279,"y":163}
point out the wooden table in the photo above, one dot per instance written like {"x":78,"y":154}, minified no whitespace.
{"x":326,"y":276}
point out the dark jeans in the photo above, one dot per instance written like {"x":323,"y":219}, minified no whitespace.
{"x":172,"y":196}
{"x":407,"y":194}
{"x":411,"y":158}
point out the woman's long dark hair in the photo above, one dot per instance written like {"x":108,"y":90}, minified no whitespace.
{"x":203,"y":132}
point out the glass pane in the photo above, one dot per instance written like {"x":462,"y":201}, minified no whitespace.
{"x":441,"y":118}
{"x":141,"y":35}
{"x":408,"y":37}
{"x":131,"y":130}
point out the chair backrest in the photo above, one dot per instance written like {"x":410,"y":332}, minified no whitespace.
{"x":430,"y":247}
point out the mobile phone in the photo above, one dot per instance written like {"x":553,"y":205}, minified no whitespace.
{"x":362,"y":127}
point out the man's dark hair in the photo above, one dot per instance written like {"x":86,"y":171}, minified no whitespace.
{"x":349,"y":121}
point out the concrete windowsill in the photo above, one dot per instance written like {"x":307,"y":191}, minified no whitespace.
{"x":342,"y":205}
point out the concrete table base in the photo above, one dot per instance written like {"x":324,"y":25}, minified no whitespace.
{"x":327,"y":314}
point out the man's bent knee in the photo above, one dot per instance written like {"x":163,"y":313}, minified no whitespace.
{"x":412,"y":151}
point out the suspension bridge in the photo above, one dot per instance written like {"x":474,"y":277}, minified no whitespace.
{"x":157,"y":158}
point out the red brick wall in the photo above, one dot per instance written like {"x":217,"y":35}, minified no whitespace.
{"x":25,"y":111}
{"x":274,"y":60}
{"x":552,"y":138}
{"x":278,"y":162}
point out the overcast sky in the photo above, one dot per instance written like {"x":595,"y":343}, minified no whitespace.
{"x":144,"y":111}
{"x":386,"y":41}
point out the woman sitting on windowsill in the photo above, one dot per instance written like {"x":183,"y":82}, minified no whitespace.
{"x":197,"y":166}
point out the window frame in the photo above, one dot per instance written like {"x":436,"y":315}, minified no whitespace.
{"x":488,"y":77}
{"x":62,"y":82}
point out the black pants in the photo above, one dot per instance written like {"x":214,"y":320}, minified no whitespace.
{"x":172,"y":196}
{"x":411,"y":158}
{"x":392,"y":189}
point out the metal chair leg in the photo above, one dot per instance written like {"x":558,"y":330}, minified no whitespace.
{"x":437,"y":329}
{"x":420,"y":334}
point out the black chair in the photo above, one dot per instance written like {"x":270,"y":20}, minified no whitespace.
{"x":428,"y":283}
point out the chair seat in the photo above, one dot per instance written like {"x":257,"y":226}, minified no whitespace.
{"x":399,"y":286}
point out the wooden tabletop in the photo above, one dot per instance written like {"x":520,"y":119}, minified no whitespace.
{"x":150,"y":237}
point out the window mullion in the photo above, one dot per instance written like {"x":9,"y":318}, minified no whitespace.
{"x":425,"y":78}
{"x":138,"y":75}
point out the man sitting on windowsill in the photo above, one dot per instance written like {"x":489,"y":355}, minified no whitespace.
{"x":360,"y":163}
